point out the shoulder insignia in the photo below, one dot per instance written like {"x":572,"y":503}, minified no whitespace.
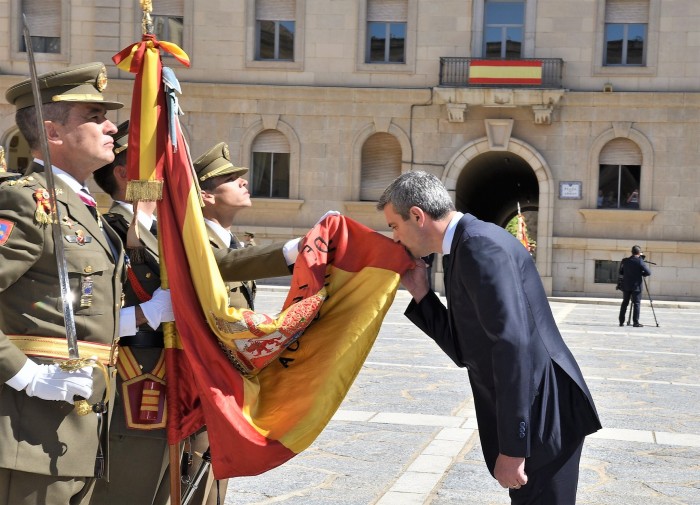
{"x":5,"y":230}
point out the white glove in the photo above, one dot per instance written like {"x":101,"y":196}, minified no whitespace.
{"x":329,"y":213}
{"x":52,"y":383}
{"x":158,"y":309}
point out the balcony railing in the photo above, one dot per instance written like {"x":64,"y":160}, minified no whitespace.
{"x":493,"y":73}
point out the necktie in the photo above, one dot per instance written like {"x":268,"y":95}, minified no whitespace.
{"x":234,"y":243}
{"x":154,"y":229}
{"x":89,"y":201}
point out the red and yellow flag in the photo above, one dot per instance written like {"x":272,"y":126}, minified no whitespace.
{"x":344,"y":282}
{"x":505,"y":72}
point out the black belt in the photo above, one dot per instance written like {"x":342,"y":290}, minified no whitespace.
{"x":143,"y":338}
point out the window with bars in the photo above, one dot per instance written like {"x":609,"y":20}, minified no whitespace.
{"x":269,"y":174}
{"x":386,"y":31}
{"x":44,"y":21}
{"x":626,"y":32}
{"x":275,"y":28}
{"x":504,"y":28}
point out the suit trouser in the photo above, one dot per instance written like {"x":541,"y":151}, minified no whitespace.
{"x":553,"y":484}
{"x":23,"y":488}
{"x":636,"y":297}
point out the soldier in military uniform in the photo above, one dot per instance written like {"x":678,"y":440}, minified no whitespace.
{"x":138,"y":445}
{"x":49,"y":454}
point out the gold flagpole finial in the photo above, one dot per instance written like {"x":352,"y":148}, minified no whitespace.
{"x":147,"y":22}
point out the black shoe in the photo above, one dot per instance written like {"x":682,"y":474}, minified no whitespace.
{"x":638,"y":325}
{"x":622,"y":324}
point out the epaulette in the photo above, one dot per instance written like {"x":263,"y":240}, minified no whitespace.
{"x":20,"y":181}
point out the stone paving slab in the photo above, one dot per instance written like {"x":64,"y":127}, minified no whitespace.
{"x":406,"y":432}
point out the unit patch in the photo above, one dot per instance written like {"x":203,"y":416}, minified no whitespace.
{"x":5,"y":230}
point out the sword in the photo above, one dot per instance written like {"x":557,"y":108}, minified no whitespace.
{"x":74,"y":361}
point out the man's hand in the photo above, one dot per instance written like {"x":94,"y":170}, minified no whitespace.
{"x":52,"y":383}
{"x":510,"y":471}
{"x":416,"y":281}
{"x":158,"y":309}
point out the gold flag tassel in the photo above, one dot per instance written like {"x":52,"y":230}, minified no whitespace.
{"x":144,"y":190}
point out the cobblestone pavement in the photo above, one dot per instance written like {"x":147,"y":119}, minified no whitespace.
{"x":406,"y":433}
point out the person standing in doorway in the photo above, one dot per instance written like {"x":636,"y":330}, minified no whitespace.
{"x":632,"y":271}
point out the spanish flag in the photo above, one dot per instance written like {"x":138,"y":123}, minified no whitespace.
{"x":258,"y":413}
{"x":505,"y":72}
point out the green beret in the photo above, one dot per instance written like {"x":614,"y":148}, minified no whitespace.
{"x":215,"y":162}
{"x":76,"y":84}
{"x":121,"y":138}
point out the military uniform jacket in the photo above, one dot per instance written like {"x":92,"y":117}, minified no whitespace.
{"x":530,"y":397}
{"x":40,"y":436}
{"x":241,"y":293}
{"x":147,"y":272}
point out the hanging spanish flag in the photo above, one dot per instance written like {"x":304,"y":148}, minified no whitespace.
{"x":264,"y":385}
{"x":505,"y":72}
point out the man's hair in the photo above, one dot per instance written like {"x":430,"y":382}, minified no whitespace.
{"x":417,"y":189}
{"x":104,"y":176}
{"x":26,"y":120}
{"x":636,"y":249}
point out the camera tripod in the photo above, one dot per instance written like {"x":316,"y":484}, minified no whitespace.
{"x":651,"y":303}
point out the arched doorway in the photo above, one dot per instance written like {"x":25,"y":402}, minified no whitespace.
{"x":488,"y":182}
{"x":494,"y":184}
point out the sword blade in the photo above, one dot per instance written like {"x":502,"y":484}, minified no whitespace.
{"x":59,"y":248}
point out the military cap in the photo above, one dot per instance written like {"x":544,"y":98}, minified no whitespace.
{"x":121,"y":138}
{"x":215,"y":162}
{"x":75,"y":84}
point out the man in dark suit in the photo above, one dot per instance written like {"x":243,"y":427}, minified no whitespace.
{"x":533,"y":407}
{"x":632,"y":271}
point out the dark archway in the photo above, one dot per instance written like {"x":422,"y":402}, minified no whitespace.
{"x":492,"y":184}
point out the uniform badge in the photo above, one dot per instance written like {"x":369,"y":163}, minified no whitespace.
{"x":86,"y":292}
{"x":101,"y":82}
{"x":5,"y":230}
{"x":226,"y":153}
{"x":42,"y":214}
{"x":79,"y":238}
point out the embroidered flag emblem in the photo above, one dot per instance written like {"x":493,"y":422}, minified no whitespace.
{"x":5,"y":230}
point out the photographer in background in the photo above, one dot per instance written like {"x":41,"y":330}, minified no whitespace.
{"x":632,"y":271}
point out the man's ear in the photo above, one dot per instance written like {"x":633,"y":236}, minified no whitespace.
{"x":120,"y":172}
{"x":52,"y":133}
{"x":416,"y":214}
{"x":207,"y":197}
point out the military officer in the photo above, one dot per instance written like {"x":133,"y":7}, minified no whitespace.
{"x":49,"y":454}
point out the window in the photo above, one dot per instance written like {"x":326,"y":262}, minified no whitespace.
{"x":619,"y":175}
{"x":168,"y":21}
{"x":626,"y":24}
{"x":381,"y":164}
{"x":44,"y":21}
{"x":606,"y":272}
{"x":386,"y":31}
{"x":504,"y":27}
{"x":274,"y":30}
{"x":269,"y":175}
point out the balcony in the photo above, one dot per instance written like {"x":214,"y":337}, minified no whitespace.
{"x":542,"y":73}
{"x":483,"y":82}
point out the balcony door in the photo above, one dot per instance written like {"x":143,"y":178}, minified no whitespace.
{"x":504,"y":29}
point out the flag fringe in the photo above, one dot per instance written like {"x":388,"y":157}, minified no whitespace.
{"x":149,"y":191}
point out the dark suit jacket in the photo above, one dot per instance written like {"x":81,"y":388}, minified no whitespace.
{"x":530,"y":397}
{"x":632,"y":270}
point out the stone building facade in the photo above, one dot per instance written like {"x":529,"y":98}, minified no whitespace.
{"x":589,"y":103}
